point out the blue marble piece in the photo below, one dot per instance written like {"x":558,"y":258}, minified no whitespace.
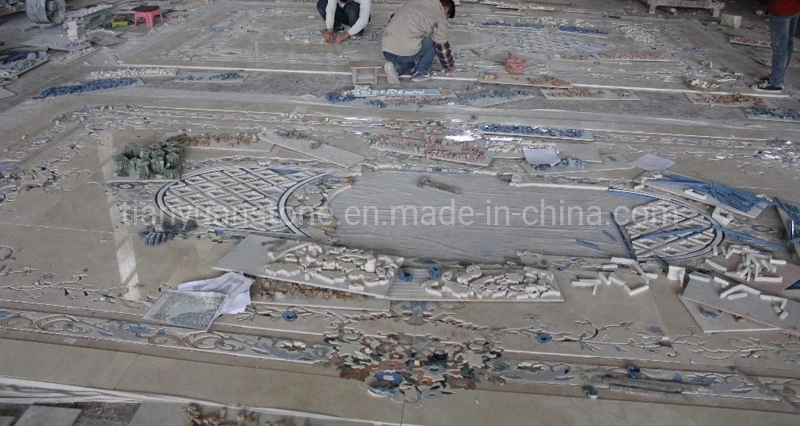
{"x":87,"y":86}
{"x":516,"y":24}
{"x":503,"y":93}
{"x":335,"y":98}
{"x":581,"y":30}
{"x":731,"y":197}
{"x":532,"y":131}
{"x":377,"y":103}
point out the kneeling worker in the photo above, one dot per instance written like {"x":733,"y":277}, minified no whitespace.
{"x":415,"y":33}
{"x":340,"y":13}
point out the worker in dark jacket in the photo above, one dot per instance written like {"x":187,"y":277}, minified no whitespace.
{"x":783,"y":16}
{"x":415,"y":33}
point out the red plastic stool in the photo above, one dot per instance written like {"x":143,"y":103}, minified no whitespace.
{"x":148,"y":13}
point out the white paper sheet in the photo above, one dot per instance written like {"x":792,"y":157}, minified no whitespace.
{"x":234,"y":285}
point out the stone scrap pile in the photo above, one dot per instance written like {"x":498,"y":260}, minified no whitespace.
{"x":349,"y":269}
{"x":430,"y":148}
{"x":206,"y":140}
{"x":361,"y":272}
{"x":13,"y":64}
{"x":473,"y":283}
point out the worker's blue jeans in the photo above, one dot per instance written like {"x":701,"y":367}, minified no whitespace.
{"x":782,"y":29}
{"x":418,"y":64}
{"x":345,"y":15}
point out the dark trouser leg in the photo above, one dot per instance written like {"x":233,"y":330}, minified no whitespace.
{"x":790,"y":42}
{"x":425,"y":56}
{"x":339,"y":19}
{"x":782,"y":41}
{"x":351,"y":12}
{"x":402,"y":64}
{"x":321,"y":5}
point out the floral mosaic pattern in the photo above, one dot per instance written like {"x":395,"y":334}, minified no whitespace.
{"x":406,"y":368}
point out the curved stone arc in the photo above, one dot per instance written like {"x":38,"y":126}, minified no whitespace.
{"x":713,"y":224}
{"x":280,"y":203}
{"x":285,"y":197}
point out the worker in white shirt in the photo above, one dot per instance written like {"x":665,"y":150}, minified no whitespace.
{"x":340,"y":13}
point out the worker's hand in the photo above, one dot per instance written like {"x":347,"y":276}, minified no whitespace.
{"x":329,"y":35}
{"x":342,"y":37}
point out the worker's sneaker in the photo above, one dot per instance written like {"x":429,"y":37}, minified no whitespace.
{"x":417,"y":77}
{"x":391,"y":73}
{"x":765,"y":86}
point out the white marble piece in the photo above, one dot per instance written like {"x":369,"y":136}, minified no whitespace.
{"x":712,"y":320}
{"x":547,"y":156}
{"x":631,"y":57}
{"x":582,"y":151}
{"x":751,"y":307}
{"x":423,"y":287}
{"x":155,"y":413}
{"x":286,"y":260}
{"x":789,"y":272}
{"x":5,"y":93}
{"x":37,"y":415}
{"x":314,"y":149}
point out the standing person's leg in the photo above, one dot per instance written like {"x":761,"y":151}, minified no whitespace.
{"x":424,"y":57}
{"x":790,"y":42}
{"x":779,"y":29}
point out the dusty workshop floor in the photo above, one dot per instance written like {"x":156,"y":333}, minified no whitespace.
{"x":272,"y":148}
